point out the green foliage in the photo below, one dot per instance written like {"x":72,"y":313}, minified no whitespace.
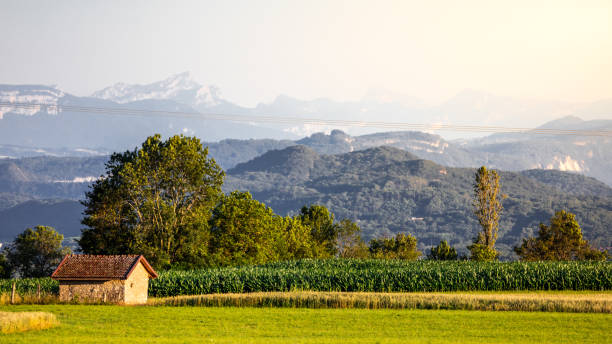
{"x":373,"y":275}
{"x":562,"y":240}
{"x":5,"y":267}
{"x":443,"y":252}
{"x":482,"y":253}
{"x":322,"y":228}
{"x":244,"y":231}
{"x":37,"y":252}
{"x":487,"y":208}
{"x":155,"y":201}
{"x":349,"y":243}
{"x":403,"y":246}
{"x":295,"y":240}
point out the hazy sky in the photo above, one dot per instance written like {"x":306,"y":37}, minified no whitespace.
{"x":255,"y":50}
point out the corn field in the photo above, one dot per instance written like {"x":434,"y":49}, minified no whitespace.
{"x":351,"y":275}
{"x":29,"y":285}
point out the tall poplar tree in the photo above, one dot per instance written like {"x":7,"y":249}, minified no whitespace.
{"x":487,"y":208}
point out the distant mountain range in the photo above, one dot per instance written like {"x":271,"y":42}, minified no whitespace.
{"x":591,"y":156}
{"x":43,"y":127}
{"x":181,"y":93}
{"x":180,"y":88}
{"x":42,"y":130}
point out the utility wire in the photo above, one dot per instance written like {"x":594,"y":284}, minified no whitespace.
{"x":298,"y":120}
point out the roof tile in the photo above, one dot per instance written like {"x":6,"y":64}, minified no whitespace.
{"x":99,"y":267}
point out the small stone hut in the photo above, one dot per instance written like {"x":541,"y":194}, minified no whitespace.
{"x":100,"y":278}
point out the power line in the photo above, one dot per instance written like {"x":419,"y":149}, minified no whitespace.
{"x":300,"y":120}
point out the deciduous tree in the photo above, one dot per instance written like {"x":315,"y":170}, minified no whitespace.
{"x":296,"y":240}
{"x":37,"y":252}
{"x":562,"y":240}
{"x":349,"y":243}
{"x":244,"y":231}
{"x":322,"y":228}
{"x":403,"y":246}
{"x":5,"y":268}
{"x":155,"y":200}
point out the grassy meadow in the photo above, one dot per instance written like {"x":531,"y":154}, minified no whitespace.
{"x":145,"y":324}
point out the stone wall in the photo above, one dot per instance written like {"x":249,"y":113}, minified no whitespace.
{"x":137,"y":286}
{"x":92,"y":291}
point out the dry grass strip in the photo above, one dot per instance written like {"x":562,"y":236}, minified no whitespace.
{"x":593,"y":302}
{"x":11,"y":322}
{"x":29,"y":299}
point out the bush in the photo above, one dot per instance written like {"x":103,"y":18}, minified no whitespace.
{"x":443,"y":252}
{"x":482,"y":253}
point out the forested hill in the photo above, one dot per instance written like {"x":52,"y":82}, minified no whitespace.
{"x":387,"y":190}
{"x":572,"y":183}
{"x":383,"y":188}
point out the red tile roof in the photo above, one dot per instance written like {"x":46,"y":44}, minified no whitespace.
{"x":99,"y":267}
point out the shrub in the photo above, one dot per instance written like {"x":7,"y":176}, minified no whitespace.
{"x":443,"y":252}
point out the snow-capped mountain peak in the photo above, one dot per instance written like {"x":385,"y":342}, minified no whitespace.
{"x":30,"y":94}
{"x":181,"y":88}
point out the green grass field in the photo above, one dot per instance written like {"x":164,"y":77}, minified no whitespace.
{"x":147,"y":324}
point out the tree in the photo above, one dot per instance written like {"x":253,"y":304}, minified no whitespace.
{"x":562,"y":240}
{"x":322,"y":228}
{"x":296,"y":240}
{"x":5,"y":267}
{"x":487,"y":208}
{"x":155,"y":201}
{"x":349,"y":243}
{"x":403,"y":246}
{"x":443,"y":252}
{"x":244,"y":231}
{"x":37,"y":252}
